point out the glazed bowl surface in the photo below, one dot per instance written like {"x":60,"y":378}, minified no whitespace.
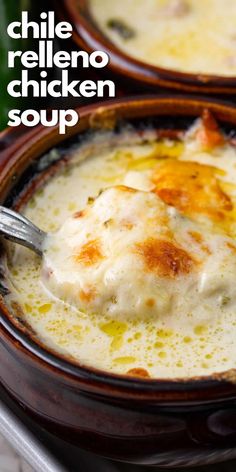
{"x":145,"y":421}
{"x":136,"y":74}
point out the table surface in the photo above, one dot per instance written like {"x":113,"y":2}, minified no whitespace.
{"x":46,"y":453}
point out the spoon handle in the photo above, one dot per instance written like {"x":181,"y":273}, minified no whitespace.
{"x":19,"y":229}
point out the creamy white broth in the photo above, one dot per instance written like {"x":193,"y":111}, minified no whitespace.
{"x":184,"y":35}
{"x":195,"y":335}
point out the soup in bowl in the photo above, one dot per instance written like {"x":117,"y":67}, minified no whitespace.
{"x":175,"y":44}
{"x":173,"y":34}
{"x":138,"y":268}
{"x":126,"y":325}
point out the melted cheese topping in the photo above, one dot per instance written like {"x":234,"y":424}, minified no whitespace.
{"x":116,"y":257}
{"x":193,"y":189}
{"x":139,"y":269}
{"x":173,"y":33}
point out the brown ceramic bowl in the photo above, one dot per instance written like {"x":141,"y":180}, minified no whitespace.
{"x":88,"y":36}
{"x":164,"y":422}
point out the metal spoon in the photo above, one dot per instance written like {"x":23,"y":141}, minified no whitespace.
{"x":19,"y":229}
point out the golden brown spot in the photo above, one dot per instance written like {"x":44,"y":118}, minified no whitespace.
{"x":231,"y":246}
{"x":138,"y":372}
{"x":197,"y":237}
{"x":90,"y":200}
{"x":192,"y":188}
{"x":165,"y":258}
{"x":209,"y":133}
{"x":127,"y":224}
{"x":124,"y":188}
{"x":89,"y":254}
{"x":108,"y":223}
{"x":79,"y":214}
{"x":150,"y":302}
{"x":87,"y":295}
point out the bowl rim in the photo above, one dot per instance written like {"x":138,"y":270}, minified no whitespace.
{"x":142,"y":106}
{"x":88,"y":35}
